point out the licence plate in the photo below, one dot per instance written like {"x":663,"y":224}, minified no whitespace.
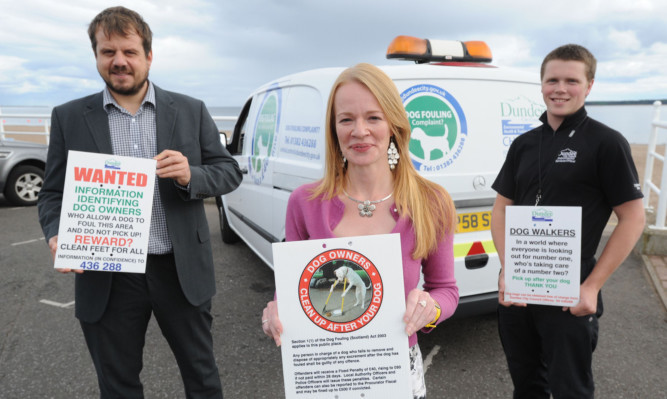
{"x":474,"y":221}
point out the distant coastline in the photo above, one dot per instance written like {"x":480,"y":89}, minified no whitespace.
{"x":626,"y":102}
{"x":238,"y":107}
{"x":632,"y":118}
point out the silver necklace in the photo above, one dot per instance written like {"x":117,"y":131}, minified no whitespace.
{"x":367,"y":207}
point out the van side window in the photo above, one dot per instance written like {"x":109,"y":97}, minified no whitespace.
{"x":236,"y":146}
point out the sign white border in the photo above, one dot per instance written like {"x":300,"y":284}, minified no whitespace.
{"x":106,"y":213}
{"x":323,"y":357}
{"x":543,"y":255}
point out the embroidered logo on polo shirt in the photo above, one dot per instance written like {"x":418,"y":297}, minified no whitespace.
{"x":567,"y":155}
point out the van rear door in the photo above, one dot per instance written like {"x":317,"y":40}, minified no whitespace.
{"x":300,"y":148}
{"x":462,"y":123}
{"x":249,"y":209}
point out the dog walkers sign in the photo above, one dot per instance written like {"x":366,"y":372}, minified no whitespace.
{"x":543,"y":255}
{"x":340,"y":302}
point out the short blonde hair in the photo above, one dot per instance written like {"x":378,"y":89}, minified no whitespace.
{"x":427,"y":204}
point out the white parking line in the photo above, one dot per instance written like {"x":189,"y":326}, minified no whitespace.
{"x":27,"y":242}
{"x":57,"y":304}
{"x":429,"y":357}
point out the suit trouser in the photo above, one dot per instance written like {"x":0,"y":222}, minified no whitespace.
{"x":116,"y":342}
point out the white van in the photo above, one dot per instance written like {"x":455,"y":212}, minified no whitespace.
{"x":464,"y":115}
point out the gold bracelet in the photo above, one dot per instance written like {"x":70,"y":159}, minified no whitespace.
{"x":438,"y":312}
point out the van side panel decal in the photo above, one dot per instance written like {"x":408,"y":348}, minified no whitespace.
{"x":518,"y":115}
{"x":438,"y":124}
{"x":265,"y":134}
{"x":301,"y":133}
{"x":303,"y":142}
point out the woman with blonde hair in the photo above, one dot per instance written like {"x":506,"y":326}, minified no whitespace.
{"x":371,"y":187}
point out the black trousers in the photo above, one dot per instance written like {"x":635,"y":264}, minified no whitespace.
{"x":116,"y":342}
{"x":548,"y":351}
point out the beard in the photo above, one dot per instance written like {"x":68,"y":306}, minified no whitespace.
{"x":122,"y":90}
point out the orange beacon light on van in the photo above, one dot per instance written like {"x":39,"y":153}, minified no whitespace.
{"x":425,"y":50}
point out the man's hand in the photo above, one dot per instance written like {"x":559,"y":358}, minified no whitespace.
{"x":498,"y":234}
{"x":53,"y":246}
{"x":588,"y":302}
{"x":631,"y":220}
{"x":501,"y":292}
{"x":174,"y":165}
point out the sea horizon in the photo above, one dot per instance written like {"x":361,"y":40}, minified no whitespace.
{"x":631,"y":118}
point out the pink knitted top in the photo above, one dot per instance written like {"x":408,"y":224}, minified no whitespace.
{"x":316,"y":219}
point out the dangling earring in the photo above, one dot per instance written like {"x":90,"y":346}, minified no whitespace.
{"x":344,"y":160}
{"x":392,"y":154}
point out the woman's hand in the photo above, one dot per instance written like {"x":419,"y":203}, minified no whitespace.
{"x":271,"y":323}
{"x":419,"y":310}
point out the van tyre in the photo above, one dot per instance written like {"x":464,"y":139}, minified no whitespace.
{"x":228,"y":235}
{"x":23,"y":185}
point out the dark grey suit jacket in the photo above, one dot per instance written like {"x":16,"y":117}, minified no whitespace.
{"x":183,"y":124}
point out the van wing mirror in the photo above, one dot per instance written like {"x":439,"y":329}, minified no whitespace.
{"x":223,"y":139}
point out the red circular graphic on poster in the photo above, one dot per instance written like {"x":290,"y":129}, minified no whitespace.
{"x":340,"y":290}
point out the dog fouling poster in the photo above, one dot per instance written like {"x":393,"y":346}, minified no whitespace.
{"x":106,"y":213}
{"x":341,"y":302}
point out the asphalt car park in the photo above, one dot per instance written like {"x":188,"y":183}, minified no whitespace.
{"x":43,"y":355}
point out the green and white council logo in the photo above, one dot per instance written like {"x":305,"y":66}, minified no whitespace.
{"x":263,"y":141}
{"x":439,"y":127}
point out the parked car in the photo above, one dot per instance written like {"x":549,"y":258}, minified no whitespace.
{"x":464,"y":114}
{"x":21,"y":171}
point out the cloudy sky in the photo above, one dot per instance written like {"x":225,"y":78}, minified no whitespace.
{"x":220,"y":50}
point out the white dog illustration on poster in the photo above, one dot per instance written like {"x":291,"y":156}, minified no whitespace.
{"x":355,"y":281}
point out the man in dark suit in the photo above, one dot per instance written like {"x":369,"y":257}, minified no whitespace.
{"x":133,"y":117}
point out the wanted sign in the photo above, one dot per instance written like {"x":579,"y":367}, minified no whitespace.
{"x":106,"y":213}
{"x":543,"y":255}
{"x":341,"y":303}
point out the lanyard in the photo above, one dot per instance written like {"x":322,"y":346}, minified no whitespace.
{"x":538,"y":196}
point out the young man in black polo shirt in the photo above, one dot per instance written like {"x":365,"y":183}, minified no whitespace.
{"x":571,"y":160}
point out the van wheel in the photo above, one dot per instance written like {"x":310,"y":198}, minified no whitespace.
{"x":23,"y":185}
{"x":228,"y":235}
